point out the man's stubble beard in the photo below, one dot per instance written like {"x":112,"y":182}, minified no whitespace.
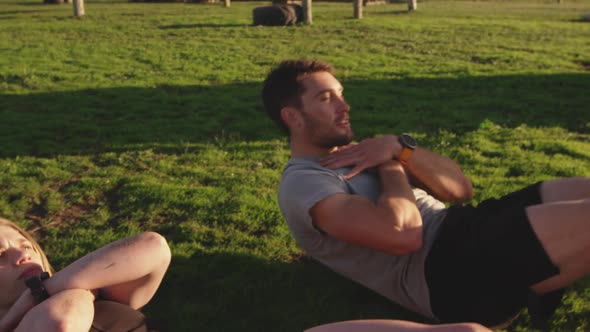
{"x":328,"y":142}
{"x":321,"y":138}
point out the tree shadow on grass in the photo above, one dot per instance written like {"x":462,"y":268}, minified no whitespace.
{"x":14,"y":12}
{"x":238,"y":292}
{"x":164,"y":117}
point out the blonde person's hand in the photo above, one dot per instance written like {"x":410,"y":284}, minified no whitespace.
{"x":366,"y":154}
{"x":20,"y":308}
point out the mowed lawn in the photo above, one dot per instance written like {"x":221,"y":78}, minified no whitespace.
{"x":147,"y":116}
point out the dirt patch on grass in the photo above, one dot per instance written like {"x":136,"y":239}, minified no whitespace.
{"x":585,"y":65}
{"x":73,"y":213}
{"x":61,"y":218}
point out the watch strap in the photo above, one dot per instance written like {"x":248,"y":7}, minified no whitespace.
{"x":404,"y":156}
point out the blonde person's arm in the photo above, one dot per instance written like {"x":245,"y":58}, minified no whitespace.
{"x":127,"y":271}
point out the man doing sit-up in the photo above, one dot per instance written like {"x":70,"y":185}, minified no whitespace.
{"x":374,"y":212}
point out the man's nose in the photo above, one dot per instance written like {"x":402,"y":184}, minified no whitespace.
{"x":343,"y":107}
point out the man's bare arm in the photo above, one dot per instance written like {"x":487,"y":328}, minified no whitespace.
{"x":393,"y":225}
{"x":438,"y":175}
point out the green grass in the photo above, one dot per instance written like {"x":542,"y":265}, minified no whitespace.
{"x":147,"y":117}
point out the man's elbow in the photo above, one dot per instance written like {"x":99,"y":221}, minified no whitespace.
{"x":466,"y":190}
{"x":408,"y":241}
{"x":459,"y":193}
{"x":415,"y":240}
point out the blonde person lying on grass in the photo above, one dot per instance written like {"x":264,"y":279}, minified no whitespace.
{"x":127,"y":271}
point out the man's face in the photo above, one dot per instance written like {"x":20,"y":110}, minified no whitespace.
{"x":324,"y":111}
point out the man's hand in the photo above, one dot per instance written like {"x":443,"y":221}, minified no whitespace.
{"x":366,"y":154}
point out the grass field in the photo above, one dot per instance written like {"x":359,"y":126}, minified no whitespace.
{"x":147,"y":117}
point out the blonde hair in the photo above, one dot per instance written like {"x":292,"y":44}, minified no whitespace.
{"x":44,"y":261}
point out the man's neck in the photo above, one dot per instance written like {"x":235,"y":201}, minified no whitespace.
{"x":299,"y":149}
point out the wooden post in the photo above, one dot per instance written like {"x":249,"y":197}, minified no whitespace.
{"x":227,"y":3}
{"x":358,"y":8}
{"x":78,"y":8}
{"x":412,"y":5}
{"x":306,"y":4}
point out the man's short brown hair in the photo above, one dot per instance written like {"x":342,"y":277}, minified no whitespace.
{"x":283,"y":87}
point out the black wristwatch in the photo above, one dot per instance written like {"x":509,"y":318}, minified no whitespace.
{"x":38,"y":290}
{"x":409,"y":144}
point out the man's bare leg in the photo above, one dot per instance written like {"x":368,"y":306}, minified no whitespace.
{"x":564,"y":231}
{"x":382,"y":325}
{"x":567,"y":189}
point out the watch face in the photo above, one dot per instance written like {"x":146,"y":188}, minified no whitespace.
{"x":408,"y":141}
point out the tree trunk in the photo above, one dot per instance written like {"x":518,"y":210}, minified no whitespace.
{"x":358,"y":8}
{"x":412,"y":5}
{"x":78,"y":8}
{"x":307,"y":11}
{"x":227,"y":3}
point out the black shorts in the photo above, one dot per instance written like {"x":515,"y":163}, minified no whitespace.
{"x":484,"y":260}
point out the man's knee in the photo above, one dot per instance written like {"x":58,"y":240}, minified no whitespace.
{"x":461,"y":327}
{"x":565,"y":189}
{"x":474,"y":327}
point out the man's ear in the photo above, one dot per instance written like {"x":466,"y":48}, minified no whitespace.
{"x":291,"y":117}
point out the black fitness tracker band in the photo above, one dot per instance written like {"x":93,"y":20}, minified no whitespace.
{"x":38,"y":290}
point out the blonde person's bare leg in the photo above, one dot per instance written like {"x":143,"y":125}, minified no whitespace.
{"x":383,"y":325}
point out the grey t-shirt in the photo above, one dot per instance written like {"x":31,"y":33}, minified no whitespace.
{"x":400,"y":278}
